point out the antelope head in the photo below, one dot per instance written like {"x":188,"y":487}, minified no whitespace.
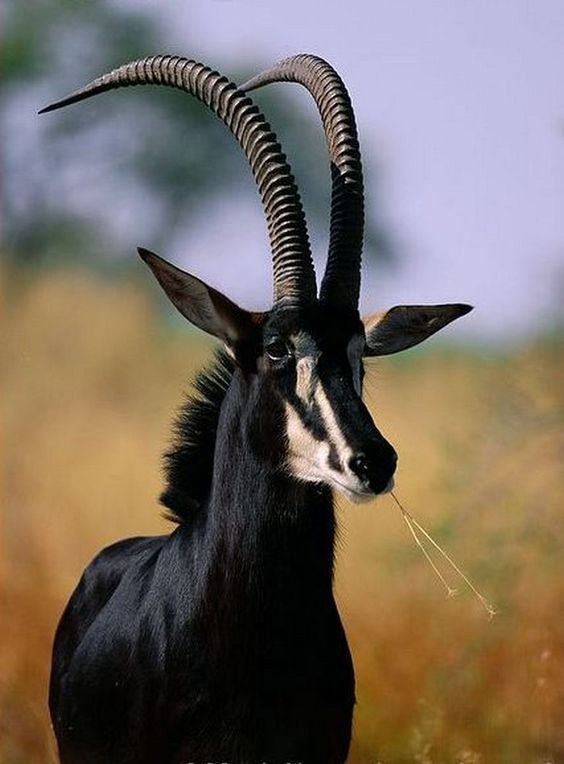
{"x":301,"y":361}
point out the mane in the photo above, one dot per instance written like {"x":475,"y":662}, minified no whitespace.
{"x":188,"y":465}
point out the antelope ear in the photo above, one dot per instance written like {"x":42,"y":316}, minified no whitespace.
{"x":404,"y":326}
{"x":202,"y":305}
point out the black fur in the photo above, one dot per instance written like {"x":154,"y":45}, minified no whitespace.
{"x":188,"y":466}
{"x":220,"y":642}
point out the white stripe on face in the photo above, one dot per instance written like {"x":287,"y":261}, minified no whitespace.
{"x":308,"y":460}
{"x":305,"y":370}
{"x":307,"y":456}
{"x":336,"y":438}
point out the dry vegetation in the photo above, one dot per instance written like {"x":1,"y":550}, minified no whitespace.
{"x":90,"y":382}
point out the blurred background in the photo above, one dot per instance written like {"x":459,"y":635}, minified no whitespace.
{"x":460,"y":109}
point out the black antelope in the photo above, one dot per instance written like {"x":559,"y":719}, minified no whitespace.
{"x":221,"y":642}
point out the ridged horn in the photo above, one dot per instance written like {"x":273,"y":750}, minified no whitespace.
{"x":341,"y":282}
{"x":294,"y":276}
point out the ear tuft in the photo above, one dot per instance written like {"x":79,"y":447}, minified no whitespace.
{"x":404,"y":326}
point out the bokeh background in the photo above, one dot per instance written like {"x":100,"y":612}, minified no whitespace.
{"x":460,"y":108}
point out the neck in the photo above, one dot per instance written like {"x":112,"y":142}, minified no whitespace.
{"x":267,"y":539}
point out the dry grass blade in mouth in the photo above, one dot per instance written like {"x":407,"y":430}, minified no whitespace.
{"x":415,"y":526}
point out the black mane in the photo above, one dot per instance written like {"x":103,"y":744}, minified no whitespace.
{"x":188,"y":465}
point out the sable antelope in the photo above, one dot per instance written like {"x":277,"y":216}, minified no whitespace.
{"x":222,"y":641}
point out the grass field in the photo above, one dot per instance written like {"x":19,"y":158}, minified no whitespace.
{"x":90,"y":381}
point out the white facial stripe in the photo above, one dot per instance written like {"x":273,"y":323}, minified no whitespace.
{"x":308,"y":460}
{"x":306,"y":455}
{"x":354,"y":353}
{"x":305,"y":369}
{"x":336,"y":437}
{"x":327,"y":460}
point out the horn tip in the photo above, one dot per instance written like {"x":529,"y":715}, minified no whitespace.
{"x":57,"y":105}
{"x":78,"y":95}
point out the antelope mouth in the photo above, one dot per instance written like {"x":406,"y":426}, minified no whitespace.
{"x":360,"y":494}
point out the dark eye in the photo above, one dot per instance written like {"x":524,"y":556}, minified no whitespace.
{"x":277,"y":349}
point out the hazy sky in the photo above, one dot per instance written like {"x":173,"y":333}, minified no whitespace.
{"x":460,"y":102}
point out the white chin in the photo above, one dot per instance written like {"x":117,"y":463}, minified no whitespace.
{"x":361,"y":497}
{"x":354,"y":495}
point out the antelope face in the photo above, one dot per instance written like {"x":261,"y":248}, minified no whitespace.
{"x":308,"y":350}
{"x":308,"y":363}
{"x":314,"y":364}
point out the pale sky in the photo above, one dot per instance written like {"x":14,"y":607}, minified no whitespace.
{"x":460,"y":103}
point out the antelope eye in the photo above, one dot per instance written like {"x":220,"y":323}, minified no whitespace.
{"x":277,"y":349}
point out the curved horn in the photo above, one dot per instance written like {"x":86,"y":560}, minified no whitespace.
{"x":341,"y":282}
{"x":294,"y":276}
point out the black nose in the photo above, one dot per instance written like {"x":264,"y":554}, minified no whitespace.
{"x":359,"y":465}
{"x":375,"y":465}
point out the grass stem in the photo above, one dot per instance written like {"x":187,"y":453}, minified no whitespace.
{"x":415,"y":526}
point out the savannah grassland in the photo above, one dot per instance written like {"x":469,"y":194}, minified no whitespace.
{"x":91,"y":377}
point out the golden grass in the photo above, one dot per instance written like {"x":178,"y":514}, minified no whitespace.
{"x":90,"y":380}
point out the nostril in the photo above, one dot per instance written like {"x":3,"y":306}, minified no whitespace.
{"x":375,"y":466}
{"x":359,"y":465}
